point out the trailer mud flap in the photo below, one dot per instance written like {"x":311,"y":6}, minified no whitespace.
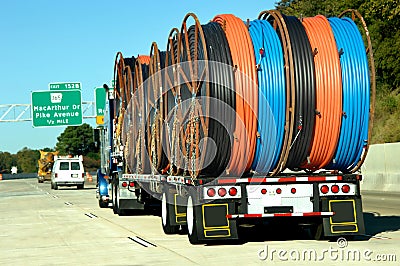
{"x":179,"y":210}
{"x":215,"y":223}
{"x":348,"y":218}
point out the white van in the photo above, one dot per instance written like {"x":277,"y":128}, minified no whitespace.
{"x":68,"y":171}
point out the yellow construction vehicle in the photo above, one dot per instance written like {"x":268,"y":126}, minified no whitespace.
{"x":45,"y":164}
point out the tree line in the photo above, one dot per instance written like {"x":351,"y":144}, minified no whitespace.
{"x":75,"y":140}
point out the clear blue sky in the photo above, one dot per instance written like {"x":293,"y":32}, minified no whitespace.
{"x":45,"y":41}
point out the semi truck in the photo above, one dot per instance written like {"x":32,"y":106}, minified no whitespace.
{"x":185,"y":127}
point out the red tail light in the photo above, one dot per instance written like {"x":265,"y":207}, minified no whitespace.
{"x":324,"y":189}
{"x":55,"y":175}
{"x":211,"y":192}
{"x":335,"y":189}
{"x":124,"y":184}
{"x":222,"y":192}
{"x":345,"y":188}
{"x":232,"y":191}
{"x":263,"y":191}
{"x":83,"y":175}
{"x":278,"y":191}
{"x":293,"y":190}
{"x":131,"y":184}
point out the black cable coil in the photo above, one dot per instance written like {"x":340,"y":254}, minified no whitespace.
{"x":222,"y":89}
{"x":304,"y":76}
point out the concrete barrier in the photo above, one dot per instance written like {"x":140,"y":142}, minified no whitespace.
{"x":381,"y":169}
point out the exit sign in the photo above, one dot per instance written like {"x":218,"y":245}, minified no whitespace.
{"x":65,"y":86}
{"x":57,"y":108}
{"x":100,"y":100}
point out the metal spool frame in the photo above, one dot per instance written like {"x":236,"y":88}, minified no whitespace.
{"x":119,"y":95}
{"x":156,"y":115}
{"x":139,"y":103}
{"x":171,"y":86}
{"x":198,"y":115}
{"x":275,"y":18}
{"x":129,"y":128}
{"x":354,"y":16}
{"x":119,"y":68}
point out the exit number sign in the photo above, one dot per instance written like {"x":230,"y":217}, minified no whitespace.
{"x":65,"y":86}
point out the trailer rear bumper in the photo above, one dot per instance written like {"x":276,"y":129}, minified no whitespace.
{"x":288,"y":214}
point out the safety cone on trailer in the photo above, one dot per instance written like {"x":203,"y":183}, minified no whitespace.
{"x":1,"y":176}
{"x":89,"y":177}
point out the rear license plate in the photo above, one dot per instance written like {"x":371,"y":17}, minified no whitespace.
{"x":278,"y":209}
{"x":74,"y":175}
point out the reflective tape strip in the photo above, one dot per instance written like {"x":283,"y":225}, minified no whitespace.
{"x":291,"y":179}
{"x":296,"y":214}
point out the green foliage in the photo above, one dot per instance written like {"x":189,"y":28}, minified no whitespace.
{"x":383,"y":20}
{"x":387,"y":113}
{"x":310,"y":8}
{"x":27,"y":160}
{"x":91,"y":164}
{"x":76,"y":140}
{"x":93,"y":155}
{"x":7,"y":160}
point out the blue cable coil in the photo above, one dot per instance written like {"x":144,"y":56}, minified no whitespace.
{"x":356,"y":86}
{"x":271,"y":96}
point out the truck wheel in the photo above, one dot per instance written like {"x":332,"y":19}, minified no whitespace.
{"x":55,"y":186}
{"x":103,"y":204}
{"x":315,"y":231}
{"x":165,"y":218}
{"x":118,"y":210}
{"x":114,"y":199}
{"x":191,"y":222}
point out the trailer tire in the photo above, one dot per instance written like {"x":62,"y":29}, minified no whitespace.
{"x":316,"y":231}
{"x":191,"y":222}
{"x":103,"y":204}
{"x":118,"y":210}
{"x":165,"y":218}
{"x":114,"y":200}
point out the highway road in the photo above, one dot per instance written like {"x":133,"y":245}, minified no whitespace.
{"x":40,"y":226}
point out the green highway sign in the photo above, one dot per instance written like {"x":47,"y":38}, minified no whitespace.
{"x":65,"y":86}
{"x":57,"y":108}
{"x":100,"y":100}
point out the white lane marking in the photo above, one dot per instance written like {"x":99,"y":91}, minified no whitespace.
{"x":141,"y":241}
{"x":91,"y":215}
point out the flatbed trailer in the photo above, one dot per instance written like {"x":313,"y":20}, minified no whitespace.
{"x":212,"y":209}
